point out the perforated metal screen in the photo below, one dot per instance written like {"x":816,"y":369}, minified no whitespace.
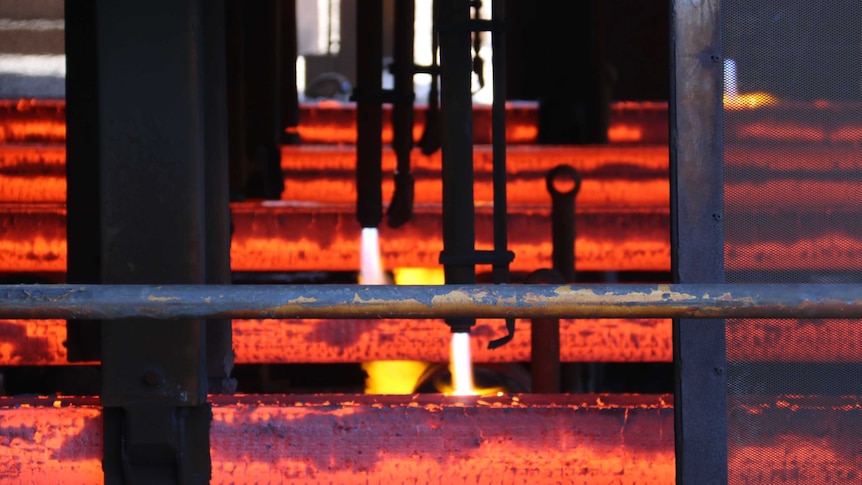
{"x":793,"y":204}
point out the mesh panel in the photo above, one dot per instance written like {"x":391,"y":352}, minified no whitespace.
{"x":793,"y":198}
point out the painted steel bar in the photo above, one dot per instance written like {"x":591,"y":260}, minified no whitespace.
{"x":442,"y":301}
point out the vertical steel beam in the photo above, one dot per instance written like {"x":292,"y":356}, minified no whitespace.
{"x":151,"y":151}
{"x":83,"y":226}
{"x":235,"y":60}
{"x":498,"y":141}
{"x":261,"y":23}
{"x":459,"y":218}
{"x":289,"y":45}
{"x":401,"y":208}
{"x":697,"y":238}
{"x":369,"y":113}
{"x":219,"y":335}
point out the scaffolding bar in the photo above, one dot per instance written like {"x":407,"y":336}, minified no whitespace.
{"x":443,"y":301}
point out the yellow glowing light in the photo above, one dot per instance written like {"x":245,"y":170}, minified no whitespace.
{"x":749,"y":100}
{"x":418,"y":276}
{"x":392,"y":376}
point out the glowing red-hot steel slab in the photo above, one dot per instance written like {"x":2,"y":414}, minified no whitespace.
{"x":638,"y":122}
{"x":40,"y":342}
{"x":282,"y":236}
{"x":334,"y":122}
{"x":594,"y":439}
{"x":614,"y":176}
{"x":32,"y":120}
{"x":794,"y":439}
{"x":311,"y":237}
{"x":795,"y":340}
{"x":832,"y":251}
{"x":780,"y":122}
{"x":33,"y":238}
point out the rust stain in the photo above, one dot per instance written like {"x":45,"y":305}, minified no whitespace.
{"x":300,"y":300}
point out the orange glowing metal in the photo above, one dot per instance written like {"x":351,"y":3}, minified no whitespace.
{"x":41,"y":342}
{"x":829,"y":252}
{"x":619,"y":176}
{"x":375,"y":439}
{"x":332,"y":122}
{"x":778,"y":131}
{"x":794,"y":340}
{"x":625,"y":134}
{"x":31,"y":130}
{"x":749,"y":101}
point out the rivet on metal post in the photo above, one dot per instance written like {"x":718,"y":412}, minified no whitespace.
{"x":153,"y":378}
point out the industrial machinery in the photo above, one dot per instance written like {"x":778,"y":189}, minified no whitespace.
{"x":181,"y":237}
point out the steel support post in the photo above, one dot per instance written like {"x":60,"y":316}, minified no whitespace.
{"x":697,"y":238}
{"x":401,"y":208}
{"x":151,"y":63}
{"x":289,"y":45}
{"x":261,"y":23}
{"x":83,"y":230}
{"x":216,"y":193}
{"x":369,"y":113}
{"x":459,"y":219}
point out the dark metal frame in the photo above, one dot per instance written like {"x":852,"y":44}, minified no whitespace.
{"x":697,"y":238}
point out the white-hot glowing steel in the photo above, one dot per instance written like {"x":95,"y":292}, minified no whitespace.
{"x":461,"y":365}
{"x":371,"y":268}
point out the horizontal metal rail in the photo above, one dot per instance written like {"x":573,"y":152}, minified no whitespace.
{"x":444,"y":301}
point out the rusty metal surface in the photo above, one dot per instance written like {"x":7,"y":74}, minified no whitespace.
{"x":703,"y":301}
{"x":353,"y":439}
{"x":41,"y":342}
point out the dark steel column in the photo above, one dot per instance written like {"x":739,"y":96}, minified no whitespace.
{"x":697,"y":238}
{"x":498,"y":141}
{"x":289,"y":52}
{"x":216,"y":192}
{"x":369,"y":113}
{"x":456,"y":65}
{"x":401,"y":208}
{"x":83,"y":225}
{"x":545,"y":367}
{"x":234,"y":58}
{"x":151,"y":109}
{"x":261,"y":21}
